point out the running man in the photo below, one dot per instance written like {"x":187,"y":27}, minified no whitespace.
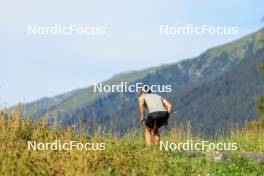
{"x":158,"y":109}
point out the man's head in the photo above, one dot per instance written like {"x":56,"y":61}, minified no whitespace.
{"x":145,"y":89}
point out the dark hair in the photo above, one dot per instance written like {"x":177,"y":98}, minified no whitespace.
{"x":145,"y":89}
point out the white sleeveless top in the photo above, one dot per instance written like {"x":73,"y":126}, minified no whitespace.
{"x":153,"y":102}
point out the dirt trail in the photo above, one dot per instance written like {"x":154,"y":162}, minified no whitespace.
{"x":257,"y":156}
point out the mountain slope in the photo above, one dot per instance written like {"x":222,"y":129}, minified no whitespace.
{"x":118,"y":111}
{"x":225,"y":100}
{"x":212,"y":104}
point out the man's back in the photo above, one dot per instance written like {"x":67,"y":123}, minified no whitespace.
{"x":154,"y":102}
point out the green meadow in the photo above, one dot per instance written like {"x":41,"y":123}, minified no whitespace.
{"x":125,"y":155}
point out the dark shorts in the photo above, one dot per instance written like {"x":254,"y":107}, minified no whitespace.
{"x":156,"y":119}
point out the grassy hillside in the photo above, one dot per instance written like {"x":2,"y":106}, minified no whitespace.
{"x":122,"y":156}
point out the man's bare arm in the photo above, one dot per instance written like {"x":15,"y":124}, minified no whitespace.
{"x":168,"y":105}
{"x":142,"y":109}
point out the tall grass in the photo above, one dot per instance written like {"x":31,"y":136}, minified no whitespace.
{"x":125,"y":155}
{"x":250,"y":137}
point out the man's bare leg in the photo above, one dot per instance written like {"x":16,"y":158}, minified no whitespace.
{"x":156,"y":136}
{"x":148,"y":135}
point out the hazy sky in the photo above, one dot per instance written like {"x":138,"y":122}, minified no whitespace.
{"x":36,"y":66}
